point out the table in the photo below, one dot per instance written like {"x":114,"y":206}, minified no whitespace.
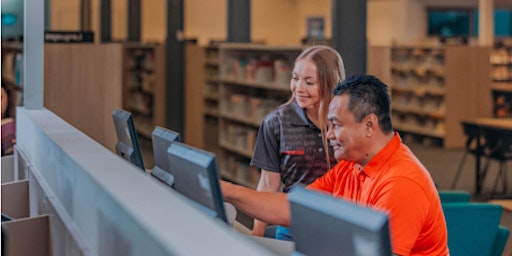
{"x":486,"y":127}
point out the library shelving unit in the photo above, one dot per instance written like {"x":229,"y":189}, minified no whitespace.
{"x":501,"y":74}
{"x":83,"y":84}
{"x":193,"y":95}
{"x":12,"y":67}
{"x":211,"y":98}
{"x":114,"y":75}
{"x":254,"y":79}
{"x":144,"y":85}
{"x":418,"y":90}
{"x":434,"y":88}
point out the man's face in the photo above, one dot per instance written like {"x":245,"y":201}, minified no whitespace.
{"x":347,"y":137}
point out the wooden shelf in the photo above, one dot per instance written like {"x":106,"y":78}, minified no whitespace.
{"x":230,"y":177}
{"x":241,"y":119}
{"x":212,"y":62}
{"x":241,"y":151}
{"x":437,"y":114}
{"x":501,"y":86}
{"x":144,"y":130}
{"x":145,"y":98}
{"x":420,"y":91}
{"x":419,"y":130}
{"x":212,"y":80}
{"x":504,"y":87}
{"x":268,"y":86}
{"x":241,"y":96}
{"x":432,"y":86}
{"x":77,"y":73}
{"x":211,"y":112}
{"x":211,"y":96}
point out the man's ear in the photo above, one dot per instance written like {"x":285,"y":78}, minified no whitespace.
{"x":371,"y":122}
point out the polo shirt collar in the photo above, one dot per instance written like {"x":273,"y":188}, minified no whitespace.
{"x":378,"y":161}
{"x":300,"y":119}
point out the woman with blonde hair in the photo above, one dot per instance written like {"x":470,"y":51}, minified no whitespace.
{"x":291,"y":147}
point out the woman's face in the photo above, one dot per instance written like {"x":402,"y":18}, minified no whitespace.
{"x":5,"y":102}
{"x":304,"y":84}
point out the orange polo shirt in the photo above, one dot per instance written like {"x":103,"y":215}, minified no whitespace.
{"x":394,"y":181}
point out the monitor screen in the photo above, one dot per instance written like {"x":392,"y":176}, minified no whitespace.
{"x":340,"y":227}
{"x":162,"y":139}
{"x":449,"y":23}
{"x":196,"y":177}
{"x":127,"y":145}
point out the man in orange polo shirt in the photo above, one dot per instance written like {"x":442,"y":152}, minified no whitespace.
{"x":374,"y":169}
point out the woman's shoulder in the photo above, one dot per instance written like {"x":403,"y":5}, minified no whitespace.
{"x":283,"y":110}
{"x":278,"y":114}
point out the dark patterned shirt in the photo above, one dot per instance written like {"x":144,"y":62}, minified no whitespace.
{"x":290,"y":144}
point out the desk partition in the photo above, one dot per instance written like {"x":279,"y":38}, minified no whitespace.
{"x":101,"y":205}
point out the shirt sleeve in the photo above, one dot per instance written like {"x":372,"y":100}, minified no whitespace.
{"x":407,"y":205}
{"x":266,"y":151}
{"x":326,"y":182}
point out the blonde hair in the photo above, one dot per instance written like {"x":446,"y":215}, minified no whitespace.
{"x":330,"y":71}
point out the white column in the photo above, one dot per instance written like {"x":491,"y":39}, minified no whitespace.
{"x":33,"y":54}
{"x":485,"y":22}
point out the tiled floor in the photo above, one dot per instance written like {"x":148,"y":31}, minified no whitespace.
{"x":443,"y":163}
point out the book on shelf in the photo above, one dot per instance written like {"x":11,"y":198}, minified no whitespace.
{"x":8,"y":135}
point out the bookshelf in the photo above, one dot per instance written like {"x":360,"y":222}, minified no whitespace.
{"x":194,"y":103}
{"x":84,"y":83}
{"x":501,"y":74}
{"x":253,"y":80}
{"x":211,"y":98}
{"x":144,"y":85}
{"x":433,"y":88}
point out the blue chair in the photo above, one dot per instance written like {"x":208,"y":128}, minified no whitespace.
{"x":501,"y":241}
{"x":474,"y":229}
{"x":454,"y":196}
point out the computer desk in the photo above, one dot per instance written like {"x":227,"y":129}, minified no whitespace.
{"x":229,"y":208}
{"x":280,"y":247}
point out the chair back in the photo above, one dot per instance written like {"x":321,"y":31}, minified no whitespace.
{"x":454,"y":196}
{"x":501,"y":241}
{"x":472,"y":227}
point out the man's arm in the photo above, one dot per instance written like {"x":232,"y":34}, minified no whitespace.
{"x":269,"y":182}
{"x":270,"y":207}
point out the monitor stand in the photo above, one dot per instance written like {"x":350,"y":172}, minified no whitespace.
{"x":163,"y":176}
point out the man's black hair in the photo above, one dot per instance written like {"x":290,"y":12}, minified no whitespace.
{"x":367,"y":95}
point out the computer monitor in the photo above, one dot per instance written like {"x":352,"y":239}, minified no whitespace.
{"x":127,"y":145}
{"x":162,"y":139}
{"x":339,"y":227}
{"x":196,"y":177}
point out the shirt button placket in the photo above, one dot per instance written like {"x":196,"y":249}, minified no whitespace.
{"x":361,"y":177}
